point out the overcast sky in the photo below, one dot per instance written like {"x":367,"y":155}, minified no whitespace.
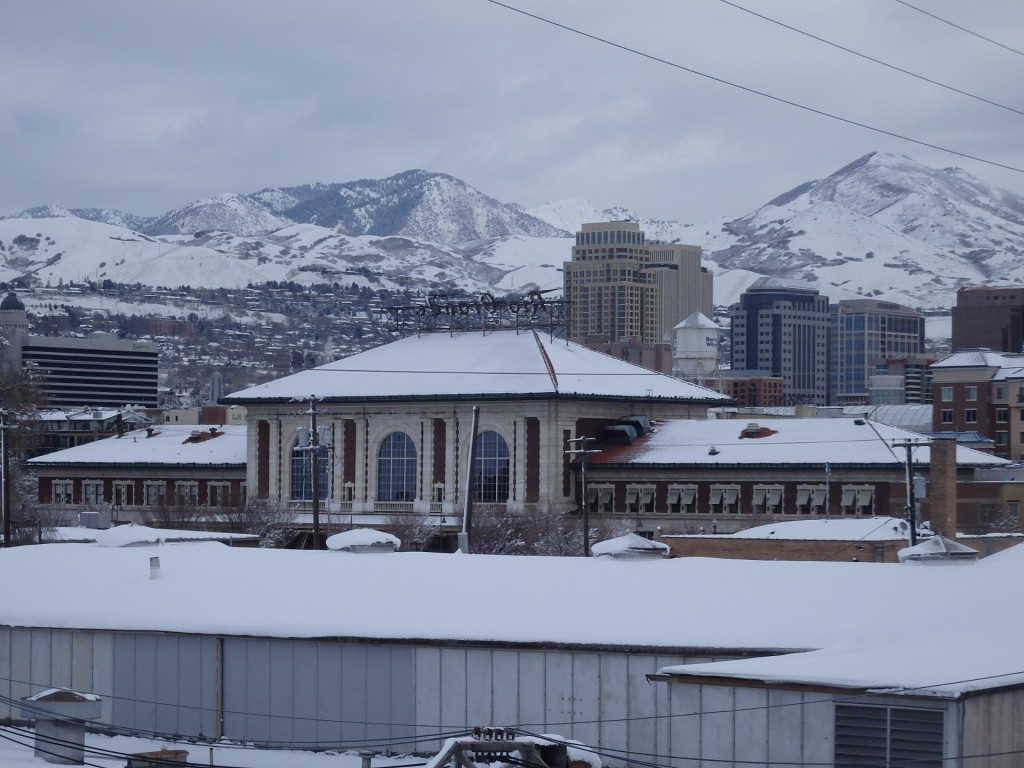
{"x":146,"y":106}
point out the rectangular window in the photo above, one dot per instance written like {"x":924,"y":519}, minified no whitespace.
{"x":1002,"y":415}
{"x":971,"y":416}
{"x":725,"y":499}
{"x":946,"y":394}
{"x":1002,"y":439}
{"x":63,"y":491}
{"x":92,"y":491}
{"x":888,"y":737}
{"x":858,"y":500}
{"x":124,"y":493}
{"x":767,"y":499}
{"x":186,"y":493}
{"x":156,"y":494}
{"x":1001,"y":392}
{"x":947,"y":416}
{"x":218,"y":494}
{"x":970,"y":393}
{"x":810,"y":499}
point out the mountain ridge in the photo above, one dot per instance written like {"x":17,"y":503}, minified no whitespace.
{"x":881,"y":226}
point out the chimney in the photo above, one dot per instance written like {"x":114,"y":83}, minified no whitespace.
{"x":942,"y":487}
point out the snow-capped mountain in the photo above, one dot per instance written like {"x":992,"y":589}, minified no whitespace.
{"x":883,"y":226}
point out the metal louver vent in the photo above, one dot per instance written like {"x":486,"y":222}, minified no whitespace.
{"x":888,"y":737}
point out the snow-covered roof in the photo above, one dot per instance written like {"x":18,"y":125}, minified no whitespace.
{"x":980,"y":358}
{"x":838,"y":529}
{"x":493,"y":364}
{"x":938,"y":548}
{"x":809,"y":441}
{"x":861,"y":611}
{"x":132,"y":535}
{"x":166,"y":445}
{"x":698,"y":320}
{"x":363,"y":539}
{"x":629,"y":545}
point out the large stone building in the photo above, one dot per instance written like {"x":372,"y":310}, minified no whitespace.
{"x":395,"y":424}
{"x":100,"y":370}
{"x":989,"y":318}
{"x":624,"y":288}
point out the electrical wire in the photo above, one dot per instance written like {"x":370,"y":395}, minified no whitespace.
{"x":962,"y":29}
{"x":754,"y":91}
{"x":871,"y":58}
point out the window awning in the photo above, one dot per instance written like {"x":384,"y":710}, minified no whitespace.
{"x":849,"y":496}
{"x":818,"y":497}
{"x":774,"y":497}
{"x":646,"y":496}
{"x":631,"y":495}
{"x":673,"y":495}
{"x":689,"y":494}
{"x":731,"y":494}
{"x":606,"y":495}
{"x":716,"y":495}
{"x":803,"y":495}
{"x":759,"y":494}
{"x":592,"y":494}
{"x":864,"y":497}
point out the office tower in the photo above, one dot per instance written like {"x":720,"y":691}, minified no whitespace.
{"x":626,"y":289}
{"x":783,"y":327}
{"x":100,"y":370}
{"x":864,"y":333}
{"x":989,"y":318}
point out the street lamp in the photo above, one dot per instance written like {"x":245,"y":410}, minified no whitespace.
{"x":582,"y":451}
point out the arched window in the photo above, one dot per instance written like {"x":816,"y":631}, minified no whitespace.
{"x":302,"y":472}
{"x":490,"y":473}
{"x":396,"y":468}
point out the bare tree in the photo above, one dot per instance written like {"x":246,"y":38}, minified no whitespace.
{"x":416,"y":532}
{"x":269,"y":519}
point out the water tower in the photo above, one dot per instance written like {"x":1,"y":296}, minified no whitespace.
{"x":696,"y":351}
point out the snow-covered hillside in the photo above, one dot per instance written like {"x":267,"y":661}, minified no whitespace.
{"x":883,"y":226}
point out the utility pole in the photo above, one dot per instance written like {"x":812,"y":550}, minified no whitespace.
{"x":314,"y":466}
{"x":5,"y":501}
{"x":911,"y":508}
{"x":582,"y":451}
{"x":467,"y":502}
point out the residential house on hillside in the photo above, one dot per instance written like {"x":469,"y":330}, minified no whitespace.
{"x":160,"y":473}
{"x":756,"y":662}
{"x":395,"y":423}
{"x":721,"y":476}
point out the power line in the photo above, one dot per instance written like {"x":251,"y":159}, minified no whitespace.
{"x":962,"y":29}
{"x":872,"y":59}
{"x":754,"y":91}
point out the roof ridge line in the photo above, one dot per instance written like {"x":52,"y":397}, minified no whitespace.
{"x":547,"y":360}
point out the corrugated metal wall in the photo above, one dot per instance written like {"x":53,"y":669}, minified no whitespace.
{"x":337,"y":693}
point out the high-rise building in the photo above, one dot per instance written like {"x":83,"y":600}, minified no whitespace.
{"x":864,"y":332}
{"x":100,"y":370}
{"x":989,"y":318}
{"x":623,"y":288}
{"x":783,"y":327}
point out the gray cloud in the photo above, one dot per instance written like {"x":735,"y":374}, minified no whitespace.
{"x":144,"y":107}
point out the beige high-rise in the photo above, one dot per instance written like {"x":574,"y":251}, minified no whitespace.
{"x":623,"y":288}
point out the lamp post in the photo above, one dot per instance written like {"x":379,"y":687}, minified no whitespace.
{"x":582,"y":451}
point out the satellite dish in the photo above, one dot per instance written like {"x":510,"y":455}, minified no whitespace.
{"x":903,"y":525}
